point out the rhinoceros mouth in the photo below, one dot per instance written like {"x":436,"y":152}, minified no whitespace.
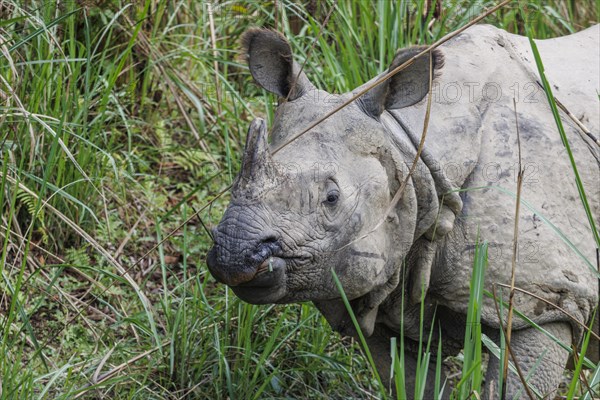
{"x":267,"y":286}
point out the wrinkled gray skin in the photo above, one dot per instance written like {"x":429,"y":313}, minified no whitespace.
{"x":314,"y":205}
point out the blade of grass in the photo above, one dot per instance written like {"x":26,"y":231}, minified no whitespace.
{"x":39,"y":31}
{"x":472,"y":372}
{"x":511,"y":295}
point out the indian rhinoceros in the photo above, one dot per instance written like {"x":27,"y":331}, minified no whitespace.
{"x":302,"y":208}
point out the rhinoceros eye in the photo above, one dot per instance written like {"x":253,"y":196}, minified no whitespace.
{"x":332,"y":197}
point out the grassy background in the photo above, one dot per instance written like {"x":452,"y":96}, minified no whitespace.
{"x":118,"y":121}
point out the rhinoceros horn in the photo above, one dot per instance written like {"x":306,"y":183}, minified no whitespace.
{"x":258,"y":169}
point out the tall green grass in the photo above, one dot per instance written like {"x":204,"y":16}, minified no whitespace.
{"x":115,"y":126}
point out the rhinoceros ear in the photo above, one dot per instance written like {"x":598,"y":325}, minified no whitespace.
{"x":404,"y":89}
{"x":269,"y":57}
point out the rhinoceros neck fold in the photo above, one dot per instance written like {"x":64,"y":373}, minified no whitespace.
{"x":438,"y":202}
{"x":443,"y":186}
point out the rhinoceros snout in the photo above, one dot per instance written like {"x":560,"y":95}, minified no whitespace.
{"x":234,"y":262}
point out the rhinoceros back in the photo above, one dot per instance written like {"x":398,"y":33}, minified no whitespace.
{"x":473,"y":136}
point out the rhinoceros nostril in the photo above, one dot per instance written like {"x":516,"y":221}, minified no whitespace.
{"x":270,"y":239}
{"x":266,"y":246}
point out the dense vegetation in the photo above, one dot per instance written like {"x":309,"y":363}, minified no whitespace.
{"x":119,"y":123}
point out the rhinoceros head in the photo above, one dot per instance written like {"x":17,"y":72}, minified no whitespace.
{"x":300,"y":210}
